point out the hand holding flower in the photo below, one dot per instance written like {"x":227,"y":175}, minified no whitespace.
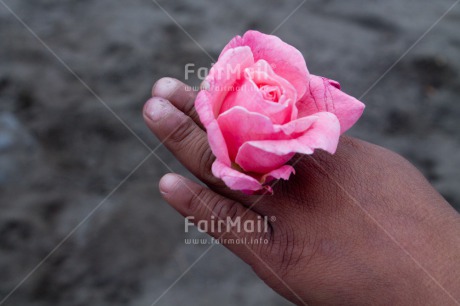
{"x":325,"y":247}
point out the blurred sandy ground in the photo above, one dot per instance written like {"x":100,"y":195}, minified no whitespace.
{"x":62,"y":152}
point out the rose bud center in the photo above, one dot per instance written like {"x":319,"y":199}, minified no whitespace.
{"x":270,"y":92}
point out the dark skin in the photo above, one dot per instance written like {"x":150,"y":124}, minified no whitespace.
{"x":360,"y":227}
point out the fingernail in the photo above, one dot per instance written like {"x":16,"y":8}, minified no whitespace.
{"x":168,"y":183}
{"x":157,"y":108}
{"x":164,"y":87}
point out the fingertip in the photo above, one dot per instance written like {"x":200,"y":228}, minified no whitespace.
{"x":156,"y":108}
{"x":148,"y":106}
{"x":165,"y":87}
{"x":168,"y":183}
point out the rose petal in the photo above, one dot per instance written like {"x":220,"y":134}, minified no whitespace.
{"x":324,"y":134}
{"x":295,"y":127}
{"x":283,"y":172}
{"x":208,"y":102}
{"x":234,"y":179}
{"x":215,"y":138}
{"x":225,"y":73}
{"x":249,"y":96}
{"x":238,"y":125}
{"x":217,"y":143}
{"x":254,"y":159}
{"x":286,"y":60}
{"x":262,"y":72}
{"x":324,"y":95}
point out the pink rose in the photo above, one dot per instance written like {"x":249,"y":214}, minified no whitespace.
{"x":260,"y":106}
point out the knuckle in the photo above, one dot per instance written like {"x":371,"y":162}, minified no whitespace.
{"x":182,"y":131}
{"x":224,"y":209}
{"x":194,"y":115}
{"x":189,"y":106}
{"x":208,"y":203}
{"x":197,"y":199}
{"x":205,"y":162}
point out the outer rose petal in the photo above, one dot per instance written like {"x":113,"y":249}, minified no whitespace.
{"x":324,"y":95}
{"x":239,"y":181}
{"x":239,"y":125}
{"x":225,"y":73}
{"x":234,"y":179}
{"x":286,"y":60}
{"x":324,"y":134}
{"x":208,"y":102}
{"x":283,"y":172}
{"x":217,"y":143}
{"x":254,"y":159}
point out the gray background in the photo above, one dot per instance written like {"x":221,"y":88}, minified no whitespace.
{"x":62,"y":152}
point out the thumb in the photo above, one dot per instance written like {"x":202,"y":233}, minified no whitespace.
{"x":241,"y":230}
